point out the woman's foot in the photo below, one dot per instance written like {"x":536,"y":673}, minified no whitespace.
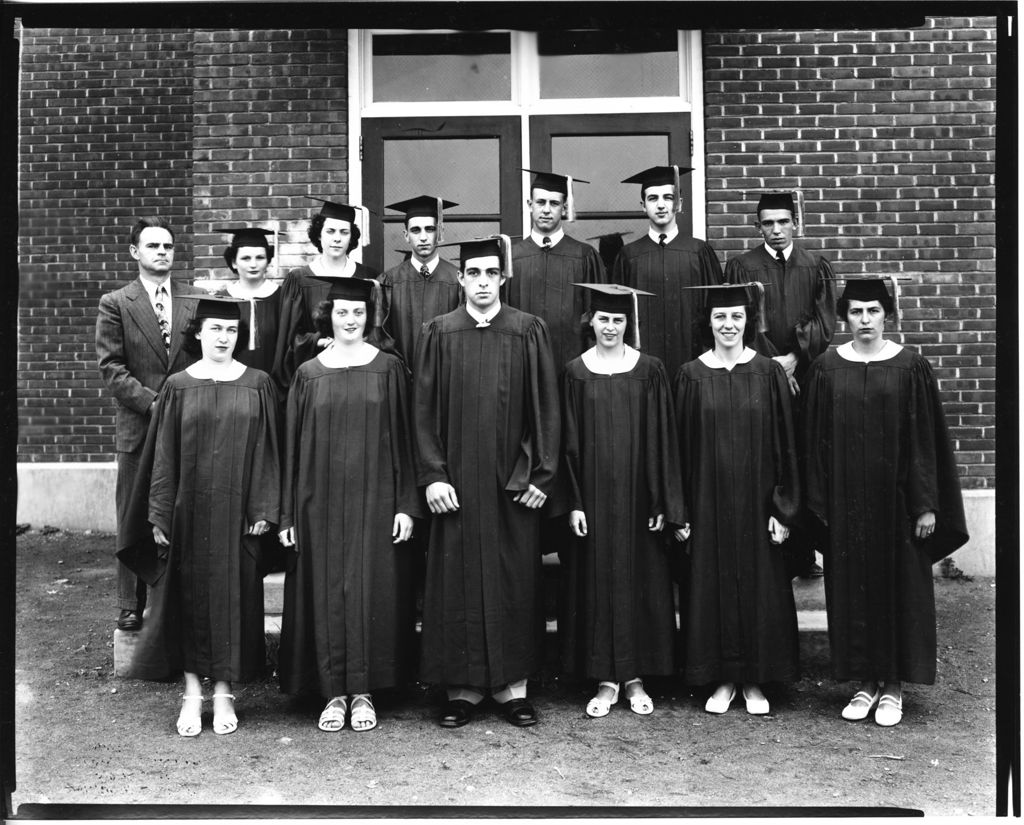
{"x":639,"y":701}
{"x":757,"y":704}
{"x":190,"y":719}
{"x":890,"y":706}
{"x":333,"y":717}
{"x":224,"y":718}
{"x":719,"y":701}
{"x":607,"y":695}
{"x":862,"y":703}
{"x":364,"y":715}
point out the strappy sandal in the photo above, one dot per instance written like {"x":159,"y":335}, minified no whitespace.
{"x":190,"y":719}
{"x":599,"y":706}
{"x":889,"y":711}
{"x":861,"y":705}
{"x":224,"y":723}
{"x":639,"y":701}
{"x":333,"y":717}
{"x":364,"y":715}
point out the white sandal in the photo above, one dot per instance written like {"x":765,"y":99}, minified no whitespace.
{"x":889,"y":711}
{"x":190,"y":719}
{"x":861,"y":705}
{"x":224,"y":723}
{"x":598,"y":706}
{"x":364,"y":715}
{"x":333,"y":717}
{"x":639,"y":701}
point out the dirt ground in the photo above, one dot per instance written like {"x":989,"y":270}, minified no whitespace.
{"x":85,"y":736}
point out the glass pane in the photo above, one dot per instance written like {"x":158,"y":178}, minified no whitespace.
{"x":430,"y":67}
{"x":461,"y":169}
{"x":590,"y":231}
{"x":584,"y":64}
{"x":395,"y":246}
{"x":604,"y":160}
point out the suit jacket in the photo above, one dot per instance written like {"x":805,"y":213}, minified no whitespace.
{"x":132,"y":358}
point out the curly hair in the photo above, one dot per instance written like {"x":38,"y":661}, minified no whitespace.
{"x":231,"y":253}
{"x":194,"y":326}
{"x":316,"y":226}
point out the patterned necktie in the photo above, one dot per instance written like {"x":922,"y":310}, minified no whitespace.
{"x":661,"y":239}
{"x":161,"y":317}
{"x":425,"y":271}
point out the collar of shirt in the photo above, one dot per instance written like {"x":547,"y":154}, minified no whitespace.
{"x":555,"y":237}
{"x":669,"y":236}
{"x":483,"y":319}
{"x":151,"y":289}
{"x":785,"y":252}
{"x":431,"y":265}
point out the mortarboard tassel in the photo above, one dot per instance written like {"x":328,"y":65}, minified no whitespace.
{"x":675,"y":180}
{"x":762,"y":322}
{"x":252,"y":323}
{"x":363,"y":220}
{"x":636,"y":322}
{"x":440,"y":220}
{"x":570,"y":202}
{"x":506,"y":248}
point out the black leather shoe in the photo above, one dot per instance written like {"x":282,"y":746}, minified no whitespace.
{"x":456,"y":713}
{"x":129,"y":620}
{"x":520,"y":713}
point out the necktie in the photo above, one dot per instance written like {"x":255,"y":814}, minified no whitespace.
{"x":161,"y":317}
{"x":781,"y":259}
{"x":547,"y":242}
{"x":661,"y":239}
{"x":425,"y":271}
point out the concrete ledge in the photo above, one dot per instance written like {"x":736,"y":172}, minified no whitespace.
{"x":71,"y":496}
{"x":80,"y":496}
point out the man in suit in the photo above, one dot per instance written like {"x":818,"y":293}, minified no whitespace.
{"x":138,"y":344}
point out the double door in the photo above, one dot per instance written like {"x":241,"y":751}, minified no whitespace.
{"x":477,"y":162}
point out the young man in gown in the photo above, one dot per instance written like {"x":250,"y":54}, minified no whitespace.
{"x":487,"y":434}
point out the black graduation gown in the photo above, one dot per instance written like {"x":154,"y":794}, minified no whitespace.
{"x":348,"y":619}
{"x":268,"y":316}
{"x":879,"y":456}
{"x":542,"y":284}
{"x":617,"y":618}
{"x":209,"y":471}
{"x":411,"y":300}
{"x":301,"y":291}
{"x":487,"y":422}
{"x":799,"y":307}
{"x":739,"y":468}
{"x":669,"y":328}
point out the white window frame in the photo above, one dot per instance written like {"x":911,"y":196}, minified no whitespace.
{"x":525,"y":101}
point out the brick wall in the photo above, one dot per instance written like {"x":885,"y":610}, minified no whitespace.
{"x":891,"y":137}
{"x":106,"y":134}
{"x":271,"y":127}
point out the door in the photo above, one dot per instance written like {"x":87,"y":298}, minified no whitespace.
{"x":604,"y":149}
{"x":471,"y":160}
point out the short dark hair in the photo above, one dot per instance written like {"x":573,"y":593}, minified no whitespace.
{"x":749,"y":331}
{"x":194,"y":326}
{"x":150,"y":222}
{"x":231,"y":253}
{"x":888,"y":306}
{"x":316,"y":226}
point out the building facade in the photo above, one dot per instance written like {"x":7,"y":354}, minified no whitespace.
{"x":888,"y":134}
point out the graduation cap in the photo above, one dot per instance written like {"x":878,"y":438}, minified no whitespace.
{"x":246,"y":235}
{"x":619,"y":299}
{"x":500,"y":245}
{"x":357,"y":289}
{"x":734,"y":295}
{"x":553,"y":182}
{"x":777,"y":200}
{"x":661,"y":176}
{"x":608,"y":245}
{"x":425,"y":206}
{"x":347,"y":212}
{"x":219,"y":306}
{"x":873,"y":288}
